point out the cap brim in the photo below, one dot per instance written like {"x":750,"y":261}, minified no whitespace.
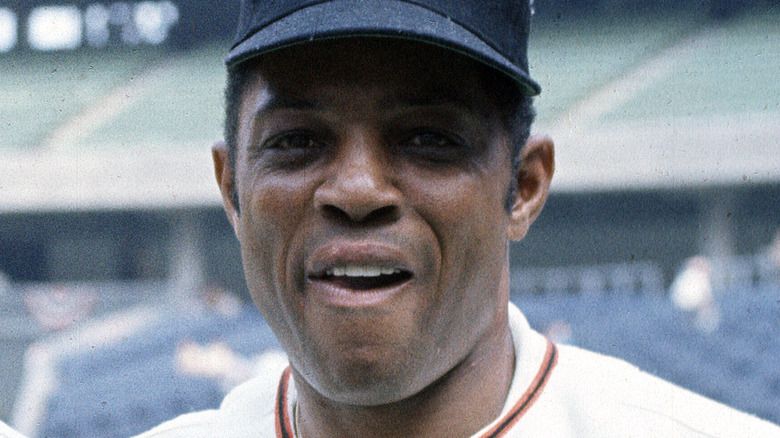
{"x":345,"y":18}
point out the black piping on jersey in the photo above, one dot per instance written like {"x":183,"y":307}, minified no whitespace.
{"x":530,"y":396}
{"x":284,"y":426}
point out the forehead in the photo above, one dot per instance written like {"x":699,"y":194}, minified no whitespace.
{"x":379,"y":71}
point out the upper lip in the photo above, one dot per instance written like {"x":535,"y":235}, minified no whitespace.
{"x":352,"y":253}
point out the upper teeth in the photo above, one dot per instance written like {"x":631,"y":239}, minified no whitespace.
{"x":361,"y":271}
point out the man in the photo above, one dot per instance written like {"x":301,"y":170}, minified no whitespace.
{"x":377,"y":163}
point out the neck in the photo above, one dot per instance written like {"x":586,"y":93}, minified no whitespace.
{"x":463,"y":401}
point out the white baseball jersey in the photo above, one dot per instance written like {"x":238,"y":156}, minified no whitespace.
{"x":556,"y":391}
{"x":7,"y":432}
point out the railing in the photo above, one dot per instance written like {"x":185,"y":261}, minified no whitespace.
{"x":753,"y":271}
{"x":625,"y":278}
{"x":743,"y":272}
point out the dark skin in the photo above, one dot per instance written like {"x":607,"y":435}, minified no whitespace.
{"x":382,"y":155}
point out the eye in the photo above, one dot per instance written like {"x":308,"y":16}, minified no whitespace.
{"x":434,"y":146}
{"x":428,"y":139}
{"x":294,"y":141}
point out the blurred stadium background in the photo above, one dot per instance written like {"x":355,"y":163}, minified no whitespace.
{"x":117,"y":262}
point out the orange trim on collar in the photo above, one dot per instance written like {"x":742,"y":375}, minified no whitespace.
{"x":284,"y":427}
{"x":529,"y":397}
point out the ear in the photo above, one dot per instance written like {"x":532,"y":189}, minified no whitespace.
{"x":533,"y":184}
{"x":226,"y":181}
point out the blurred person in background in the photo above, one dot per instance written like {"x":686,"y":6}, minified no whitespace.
{"x":216,"y":360}
{"x":376,"y":165}
{"x":5,"y":284}
{"x":773,"y":251}
{"x":691,"y":293}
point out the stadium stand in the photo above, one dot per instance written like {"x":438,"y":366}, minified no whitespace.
{"x":635,"y":278}
{"x":23,"y":317}
{"x":571,"y":60}
{"x":131,"y":382}
{"x":42,"y":91}
{"x":131,"y":399}
{"x":670,"y":110}
{"x":117,"y":377}
{"x":740,"y":85}
{"x":736,"y":364}
{"x":180,"y":108}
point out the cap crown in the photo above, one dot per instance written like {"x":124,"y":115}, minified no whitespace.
{"x":503,"y":25}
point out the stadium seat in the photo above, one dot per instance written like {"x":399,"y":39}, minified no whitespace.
{"x":736,"y":364}
{"x":133,"y":385}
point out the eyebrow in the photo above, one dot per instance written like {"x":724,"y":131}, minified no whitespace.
{"x":278,"y":101}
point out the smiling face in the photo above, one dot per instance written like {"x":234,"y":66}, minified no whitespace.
{"x":371,"y":176}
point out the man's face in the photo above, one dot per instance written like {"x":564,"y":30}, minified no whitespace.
{"x":371,"y":176}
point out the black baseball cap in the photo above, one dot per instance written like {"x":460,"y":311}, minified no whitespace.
{"x":494,"y":32}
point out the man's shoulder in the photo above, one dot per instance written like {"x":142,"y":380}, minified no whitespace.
{"x":609,"y":394}
{"x":246,"y":411}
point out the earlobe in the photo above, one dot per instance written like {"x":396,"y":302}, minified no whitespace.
{"x":533,"y":184}
{"x":226,"y":181}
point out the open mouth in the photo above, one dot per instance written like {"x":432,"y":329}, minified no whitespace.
{"x":364,"y":277}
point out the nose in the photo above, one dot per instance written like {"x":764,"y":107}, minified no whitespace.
{"x":359,"y":188}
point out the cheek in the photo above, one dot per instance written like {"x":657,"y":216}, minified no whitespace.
{"x":466,"y":213}
{"x":476,"y":251}
{"x":272,"y":210}
{"x":463,"y":210}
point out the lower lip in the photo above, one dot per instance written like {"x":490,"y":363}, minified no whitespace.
{"x":337,"y":296}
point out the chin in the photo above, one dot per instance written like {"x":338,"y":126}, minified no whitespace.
{"x":367,"y":383}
